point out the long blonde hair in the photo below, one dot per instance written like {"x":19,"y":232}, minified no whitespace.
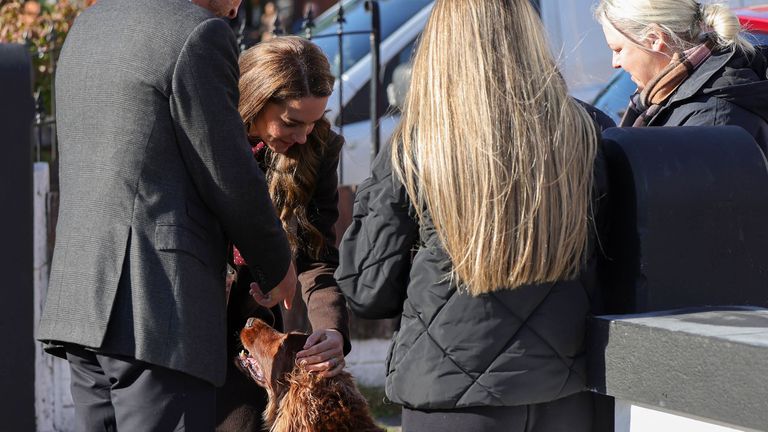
{"x":683,"y":21}
{"x":493,"y":147}
{"x":278,"y":70}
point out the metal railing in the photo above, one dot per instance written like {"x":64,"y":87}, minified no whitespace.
{"x":44,"y":124}
{"x":374,"y":34}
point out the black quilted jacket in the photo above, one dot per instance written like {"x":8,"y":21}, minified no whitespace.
{"x":510,"y":347}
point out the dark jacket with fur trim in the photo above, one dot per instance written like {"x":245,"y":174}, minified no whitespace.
{"x":453,"y":350}
{"x":729,"y":88}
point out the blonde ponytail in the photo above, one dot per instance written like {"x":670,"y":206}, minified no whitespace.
{"x":685,"y":22}
{"x":725,"y":26}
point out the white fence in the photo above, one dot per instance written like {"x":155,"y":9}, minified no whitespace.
{"x":54,"y":410}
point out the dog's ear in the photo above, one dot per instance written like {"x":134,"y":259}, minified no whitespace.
{"x":294,"y":342}
{"x":285,"y":358}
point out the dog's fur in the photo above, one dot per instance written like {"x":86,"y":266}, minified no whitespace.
{"x":300,"y":401}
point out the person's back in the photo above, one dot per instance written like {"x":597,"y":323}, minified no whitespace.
{"x":154,"y":179}
{"x":476,"y":227}
{"x":117,"y":140}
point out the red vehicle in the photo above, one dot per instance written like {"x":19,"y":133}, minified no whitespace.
{"x":754,"y":19}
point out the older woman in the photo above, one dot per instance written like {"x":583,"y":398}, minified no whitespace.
{"x":284,"y":87}
{"x":691,"y":65}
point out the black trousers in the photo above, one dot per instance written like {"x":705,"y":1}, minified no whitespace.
{"x":114,"y":393}
{"x":569,"y":414}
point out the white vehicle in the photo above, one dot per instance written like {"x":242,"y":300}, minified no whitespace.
{"x":576,"y":40}
{"x":401,"y":24}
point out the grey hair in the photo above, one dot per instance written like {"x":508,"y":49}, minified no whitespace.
{"x":685,"y":22}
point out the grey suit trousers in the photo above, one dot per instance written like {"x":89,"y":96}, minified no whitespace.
{"x":114,"y":393}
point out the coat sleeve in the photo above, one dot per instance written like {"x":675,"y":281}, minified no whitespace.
{"x":326,"y":306}
{"x":375,"y":252}
{"x":212,"y":142}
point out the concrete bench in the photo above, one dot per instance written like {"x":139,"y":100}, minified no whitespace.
{"x":702,"y":369}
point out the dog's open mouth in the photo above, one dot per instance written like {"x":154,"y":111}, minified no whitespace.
{"x":250,"y":364}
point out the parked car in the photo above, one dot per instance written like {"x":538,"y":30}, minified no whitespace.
{"x":585,"y":68}
{"x":401,"y":24}
{"x":613,"y":99}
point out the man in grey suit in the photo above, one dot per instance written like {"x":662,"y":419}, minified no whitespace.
{"x":156,"y":177}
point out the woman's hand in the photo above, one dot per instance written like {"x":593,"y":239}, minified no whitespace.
{"x":323,"y":353}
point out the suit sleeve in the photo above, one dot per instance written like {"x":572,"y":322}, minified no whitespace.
{"x":326,"y":306}
{"x":212,"y":142}
{"x":375,"y":252}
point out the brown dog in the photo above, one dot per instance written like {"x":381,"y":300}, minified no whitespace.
{"x":300,"y":401}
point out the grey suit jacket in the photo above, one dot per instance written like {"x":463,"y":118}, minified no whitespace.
{"x":155,"y":175}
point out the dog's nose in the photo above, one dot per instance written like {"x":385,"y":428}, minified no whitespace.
{"x":249,"y":323}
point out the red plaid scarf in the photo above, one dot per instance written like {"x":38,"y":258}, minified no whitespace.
{"x":660,"y":88}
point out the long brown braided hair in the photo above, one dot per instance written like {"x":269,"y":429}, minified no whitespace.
{"x":276,"y":71}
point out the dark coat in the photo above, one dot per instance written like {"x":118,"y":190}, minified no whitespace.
{"x":452,"y":350}
{"x":241,"y":402}
{"x":729,"y":88}
{"x":155,"y":176}
{"x":326,"y":305}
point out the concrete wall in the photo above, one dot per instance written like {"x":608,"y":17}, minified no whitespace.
{"x":703,"y":369}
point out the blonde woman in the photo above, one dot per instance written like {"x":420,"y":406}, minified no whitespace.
{"x":476,"y":229}
{"x":690,"y":62}
{"x":284,"y":85}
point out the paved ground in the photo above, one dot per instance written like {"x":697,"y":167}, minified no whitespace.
{"x":366,"y":361}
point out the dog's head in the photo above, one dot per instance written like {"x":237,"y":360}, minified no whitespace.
{"x":298,"y":399}
{"x":270,"y":355}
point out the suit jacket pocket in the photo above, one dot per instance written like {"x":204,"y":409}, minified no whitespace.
{"x":182,"y":239}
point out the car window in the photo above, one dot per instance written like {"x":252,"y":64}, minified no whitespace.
{"x":359,"y":107}
{"x":393,"y":14}
{"x":613,"y":99}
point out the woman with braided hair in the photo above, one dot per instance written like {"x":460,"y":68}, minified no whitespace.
{"x":691,"y":64}
{"x":284,"y":85}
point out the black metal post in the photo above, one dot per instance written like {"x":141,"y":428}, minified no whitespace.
{"x":54,"y":50}
{"x":277,"y":29}
{"x":240,"y":33}
{"x":17,"y":363}
{"x":39,"y":122}
{"x":340,"y":33}
{"x":372,"y":6}
{"x":309,"y":22}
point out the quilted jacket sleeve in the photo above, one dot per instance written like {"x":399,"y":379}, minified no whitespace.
{"x":375,"y":252}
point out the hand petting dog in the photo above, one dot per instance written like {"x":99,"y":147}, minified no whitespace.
{"x":300,"y":400}
{"x":323,"y":352}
